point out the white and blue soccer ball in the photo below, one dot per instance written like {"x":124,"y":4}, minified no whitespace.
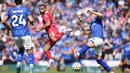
{"x":76,"y":66}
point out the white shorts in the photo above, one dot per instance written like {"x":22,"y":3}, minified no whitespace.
{"x":24,"y":41}
{"x":98,"y":42}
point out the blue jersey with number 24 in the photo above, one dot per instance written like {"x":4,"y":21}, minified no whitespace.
{"x":19,"y":19}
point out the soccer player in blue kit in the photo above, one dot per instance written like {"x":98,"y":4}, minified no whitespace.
{"x":96,"y":42}
{"x":19,"y":16}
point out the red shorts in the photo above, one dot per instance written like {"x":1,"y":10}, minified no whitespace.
{"x":52,"y":31}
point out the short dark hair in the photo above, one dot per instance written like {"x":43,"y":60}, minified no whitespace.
{"x":42,"y":5}
{"x":18,"y":2}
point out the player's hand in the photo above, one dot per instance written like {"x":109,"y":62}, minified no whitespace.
{"x":89,"y":11}
{"x":79,"y":18}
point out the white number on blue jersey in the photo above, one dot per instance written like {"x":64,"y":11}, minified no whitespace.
{"x":20,"y":20}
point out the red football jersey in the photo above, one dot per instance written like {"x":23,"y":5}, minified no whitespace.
{"x":48,"y":16}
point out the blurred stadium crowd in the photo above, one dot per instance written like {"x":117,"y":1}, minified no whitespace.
{"x":116,"y":30}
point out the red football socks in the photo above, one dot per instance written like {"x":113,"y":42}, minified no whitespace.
{"x":48,"y":54}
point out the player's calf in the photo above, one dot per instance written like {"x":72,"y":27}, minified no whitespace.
{"x":20,"y":56}
{"x":103,"y":64}
{"x":47,"y":51}
{"x":19,"y":59}
{"x":31,"y":60}
{"x":90,"y":44}
{"x":49,"y":56}
{"x":82,"y":51}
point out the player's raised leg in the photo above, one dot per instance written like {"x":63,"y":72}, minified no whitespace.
{"x":65,"y":31}
{"x":97,"y":44}
{"x":68,"y":30}
{"x":50,"y":44}
{"x":54,"y":37}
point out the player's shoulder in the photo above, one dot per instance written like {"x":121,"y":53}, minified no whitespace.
{"x":46,"y":14}
{"x":12,"y":8}
{"x":25,"y":7}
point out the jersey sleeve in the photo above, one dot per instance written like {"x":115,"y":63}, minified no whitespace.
{"x":28,"y":12}
{"x":46,"y":17}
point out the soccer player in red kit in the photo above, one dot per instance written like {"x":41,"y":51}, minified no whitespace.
{"x":53,"y":34}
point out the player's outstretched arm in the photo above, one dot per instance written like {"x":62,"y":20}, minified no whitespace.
{"x":47,"y":24}
{"x":4,"y":22}
{"x":83,"y":27}
{"x":99,"y":15}
{"x":31,"y":20}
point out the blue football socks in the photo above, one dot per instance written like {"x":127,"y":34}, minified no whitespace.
{"x":20,"y":56}
{"x":102,"y":63}
{"x":19,"y":60}
{"x":31,"y":63}
{"x":84,"y":49}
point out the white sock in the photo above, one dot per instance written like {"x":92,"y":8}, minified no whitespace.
{"x":18,"y":65}
{"x":51,"y":60}
{"x":31,"y":66}
{"x":78,"y":53}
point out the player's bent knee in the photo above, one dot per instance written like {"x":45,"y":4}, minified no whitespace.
{"x":90,"y":44}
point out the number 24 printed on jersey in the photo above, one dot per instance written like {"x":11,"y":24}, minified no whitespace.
{"x":18,"y":20}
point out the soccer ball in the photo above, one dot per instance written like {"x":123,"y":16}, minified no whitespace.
{"x":76,"y":66}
